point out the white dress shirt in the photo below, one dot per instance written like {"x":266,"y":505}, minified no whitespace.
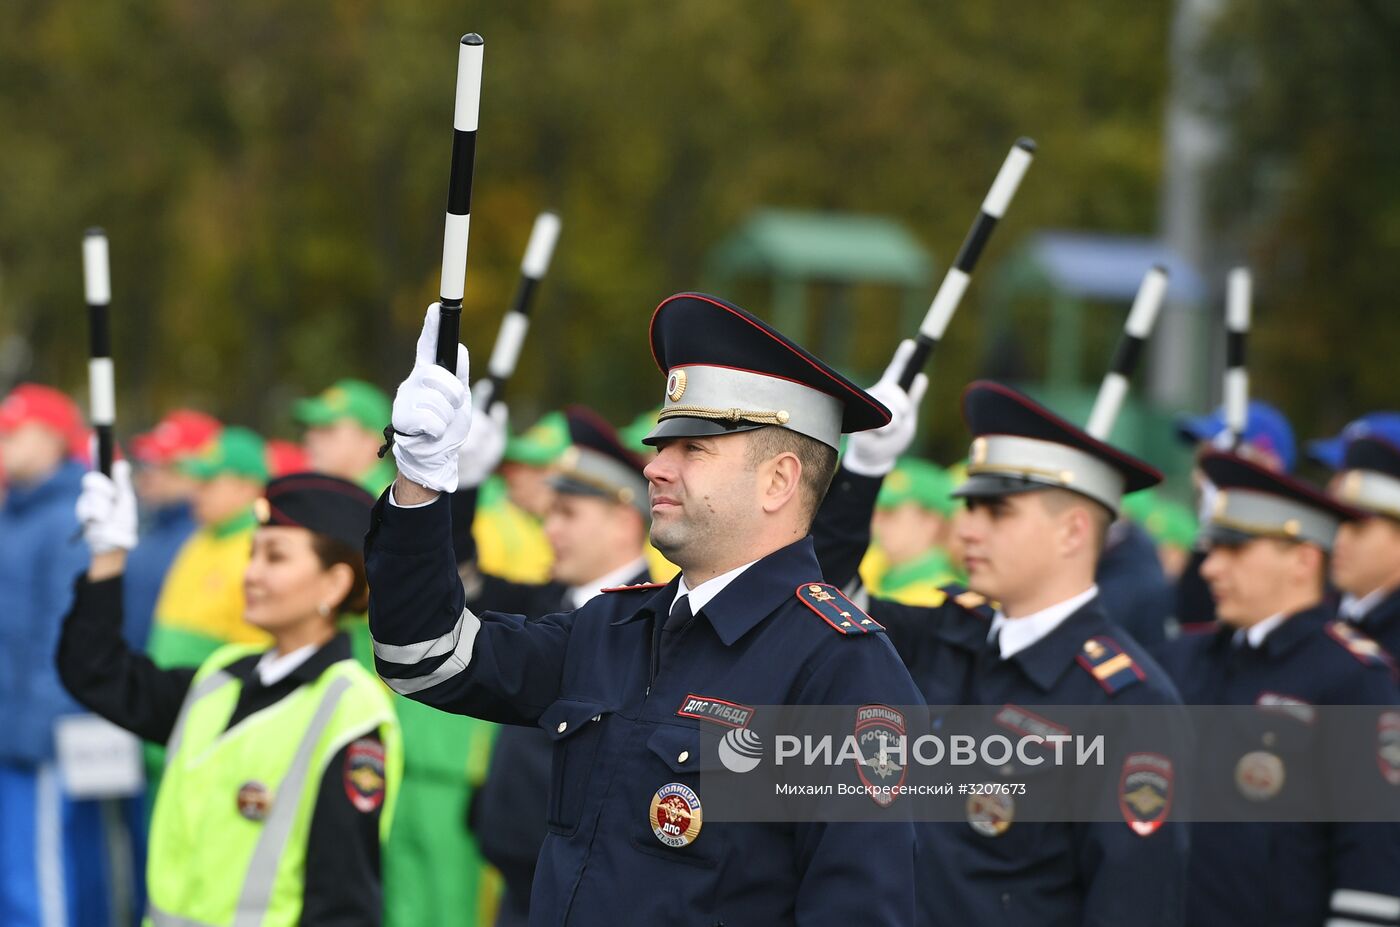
{"x":1355,"y":609}
{"x":272,"y":668}
{"x":702,"y":594}
{"x":1016,"y":634}
{"x":578,"y":596}
{"x":1255,"y":634}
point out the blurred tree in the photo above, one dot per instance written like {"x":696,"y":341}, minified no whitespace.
{"x":272,"y":176}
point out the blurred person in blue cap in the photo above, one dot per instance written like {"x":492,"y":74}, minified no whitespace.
{"x":746,"y":446}
{"x":1268,"y":441}
{"x":1279,"y":646}
{"x":1366,"y":558}
{"x":1330,"y":452}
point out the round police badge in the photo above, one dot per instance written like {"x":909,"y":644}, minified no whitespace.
{"x":675,"y":814}
{"x":1259,"y":775}
{"x":254,"y":801}
{"x":675,"y":385}
{"x":991,"y":815}
{"x":262,"y":510}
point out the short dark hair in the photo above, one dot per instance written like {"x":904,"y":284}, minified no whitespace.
{"x":818,"y":461}
{"x":330,"y":552}
{"x":1057,"y":500}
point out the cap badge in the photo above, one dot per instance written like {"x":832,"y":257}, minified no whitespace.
{"x":675,"y":385}
{"x":978,"y":454}
{"x":262,"y":510}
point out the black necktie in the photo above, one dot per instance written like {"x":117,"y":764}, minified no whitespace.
{"x":676,"y":623}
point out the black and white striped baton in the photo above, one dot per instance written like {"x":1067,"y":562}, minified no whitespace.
{"x":459,"y":197}
{"x":1239,"y":293}
{"x":97,"y":285}
{"x":516,"y":323}
{"x":1136,"y":331}
{"x":950,"y":291}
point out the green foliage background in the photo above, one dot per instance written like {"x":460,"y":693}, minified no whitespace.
{"x":272,"y":175}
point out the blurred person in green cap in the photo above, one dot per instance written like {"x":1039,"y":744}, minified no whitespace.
{"x":344,"y":430}
{"x":201,"y":606}
{"x":511,"y":508}
{"x":911,"y":526}
{"x":1170,"y":524}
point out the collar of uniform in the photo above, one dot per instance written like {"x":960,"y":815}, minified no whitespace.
{"x":1383,"y":614}
{"x":1045,"y":660}
{"x":1019,"y":633}
{"x":335,"y":650}
{"x":1294,"y":630}
{"x":1356,"y":608}
{"x":631,"y":574}
{"x":1256,"y":634}
{"x":750,"y":597}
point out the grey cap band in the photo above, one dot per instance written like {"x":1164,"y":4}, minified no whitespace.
{"x":1252,"y":514}
{"x":583,"y":471}
{"x":715,"y":400}
{"x":1018,"y":461}
{"x":1370,"y":490}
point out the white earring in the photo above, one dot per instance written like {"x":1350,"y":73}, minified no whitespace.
{"x":323,"y":610}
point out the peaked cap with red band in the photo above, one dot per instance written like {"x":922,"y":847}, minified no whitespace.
{"x":728,"y":371}
{"x":1019,"y":446}
{"x":597,"y":463}
{"x":1255,"y":502}
{"x":322,"y":504}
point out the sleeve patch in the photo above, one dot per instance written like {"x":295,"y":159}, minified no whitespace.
{"x":1356,"y":643}
{"x":836,"y":610}
{"x":1145,"y":791}
{"x":634,"y":588}
{"x":364,"y":774}
{"x":1109,"y":664}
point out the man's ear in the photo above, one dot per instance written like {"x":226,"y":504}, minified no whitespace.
{"x":781,"y":481}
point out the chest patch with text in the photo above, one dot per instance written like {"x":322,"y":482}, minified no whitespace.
{"x":730,"y":714}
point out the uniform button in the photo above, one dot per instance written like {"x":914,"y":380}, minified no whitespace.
{"x":563,"y":726}
{"x":685,"y":755}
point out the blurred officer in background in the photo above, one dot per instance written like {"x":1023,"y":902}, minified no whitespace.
{"x":52,"y":868}
{"x":284,"y":763}
{"x":510,"y":506}
{"x":597,"y":527}
{"x":1279,"y":646}
{"x":1268,"y":441}
{"x":746,"y":445}
{"x":1366,"y":557}
{"x":344,"y":430}
{"x":912,"y":529}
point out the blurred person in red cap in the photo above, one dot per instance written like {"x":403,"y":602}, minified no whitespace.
{"x":285,"y":457}
{"x":51,"y":846}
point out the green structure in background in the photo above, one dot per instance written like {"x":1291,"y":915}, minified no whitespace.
{"x":790,"y":250}
{"x":1089,"y":281}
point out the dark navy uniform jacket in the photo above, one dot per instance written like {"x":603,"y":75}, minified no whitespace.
{"x":1132,"y":585}
{"x":1273,"y":873}
{"x":1033,"y":874}
{"x":589,"y":680}
{"x":1382,"y":623}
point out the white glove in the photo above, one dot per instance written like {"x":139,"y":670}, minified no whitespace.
{"x":107,"y":509}
{"x":432,"y":413}
{"x":874,"y":453}
{"x":481,"y":453}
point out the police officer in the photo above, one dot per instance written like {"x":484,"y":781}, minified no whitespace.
{"x":283,"y":764}
{"x":746,"y":445}
{"x":597,"y":526}
{"x":1278,"y":647}
{"x":1366,"y":559}
{"x":1040,"y":496}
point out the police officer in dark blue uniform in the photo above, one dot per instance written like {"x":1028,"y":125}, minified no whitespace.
{"x":746,"y":444}
{"x":1040,"y":495}
{"x":1366,"y":558}
{"x":597,"y":528}
{"x":1278,"y":647}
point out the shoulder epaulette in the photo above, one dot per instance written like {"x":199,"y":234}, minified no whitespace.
{"x":969,"y":601}
{"x":634,"y":587}
{"x":1359,"y":645}
{"x":836,"y":610}
{"x":1109,"y":664}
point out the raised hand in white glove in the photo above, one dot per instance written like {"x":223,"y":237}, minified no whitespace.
{"x":432,"y":413}
{"x":481,"y":453}
{"x":874,"y":453}
{"x":107,"y":509}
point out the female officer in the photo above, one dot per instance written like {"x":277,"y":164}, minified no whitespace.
{"x":282,"y":764}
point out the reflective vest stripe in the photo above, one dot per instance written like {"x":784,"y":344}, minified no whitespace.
{"x":158,"y":918}
{"x":256,"y":895}
{"x":207,"y":686}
